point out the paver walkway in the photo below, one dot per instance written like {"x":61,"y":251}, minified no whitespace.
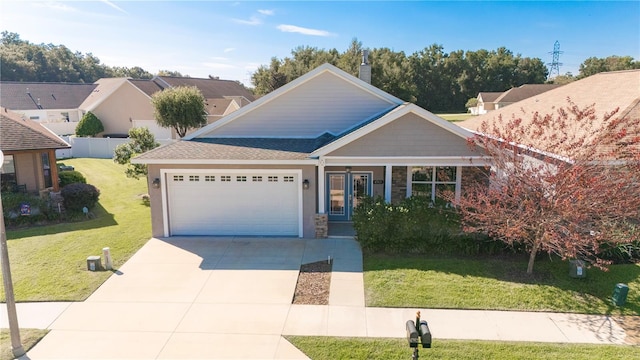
{"x":230,"y":298}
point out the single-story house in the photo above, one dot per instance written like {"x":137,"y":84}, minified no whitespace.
{"x":299,"y":159}
{"x":123,"y":103}
{"x":606,"y":91}
{"x":56,"y":105}
{"x":29,"y":154}
{"x":489,"y":101}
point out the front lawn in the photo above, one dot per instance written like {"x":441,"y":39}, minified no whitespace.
{"x":48,"y":263}
{"x":498,"y":283}
{"x":329,"y":348}
{"x":28,"y":337}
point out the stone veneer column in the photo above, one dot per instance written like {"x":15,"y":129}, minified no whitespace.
{"x":399,"y":183}
{"x":322,"y":226}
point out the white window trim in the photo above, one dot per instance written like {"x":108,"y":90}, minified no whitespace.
{"x":457,"y":182}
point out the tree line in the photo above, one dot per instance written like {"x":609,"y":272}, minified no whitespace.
{"x":24,"y":61}
{"x":431,"y":78}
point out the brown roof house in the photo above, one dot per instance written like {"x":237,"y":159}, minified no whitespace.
{"x":297,"y":161}
{"x":29,"y":154}
{"x":123,"y":103}
{"x":605,"y":91}
{"x":55,"y":105}
{"x":489,"y":101}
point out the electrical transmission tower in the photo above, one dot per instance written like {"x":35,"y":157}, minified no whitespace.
{"x":554,"y":65}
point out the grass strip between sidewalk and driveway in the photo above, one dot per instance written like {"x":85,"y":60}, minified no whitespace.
{"x":495,"y":283}
{"x":329,"y":348}
{"x":28,"y":337}
{"x":48,"y":263}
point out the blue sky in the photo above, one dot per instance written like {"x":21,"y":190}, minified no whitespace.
{"x":231,"y":39}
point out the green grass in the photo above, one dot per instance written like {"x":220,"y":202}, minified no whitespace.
{"x":455,"y":117}
{"x":499,"y":283}
{"x":320,"y":348}
{"x":48,"y":263}
{"x":28,"y":337}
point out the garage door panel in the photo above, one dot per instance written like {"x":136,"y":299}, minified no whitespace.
{"x":246,"y":204}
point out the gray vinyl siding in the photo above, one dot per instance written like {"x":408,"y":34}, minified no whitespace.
{"x":410,"y":135}
{"x":324,"y":103}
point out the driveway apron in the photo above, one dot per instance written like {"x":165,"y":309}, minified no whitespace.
{"x":190,"y":297}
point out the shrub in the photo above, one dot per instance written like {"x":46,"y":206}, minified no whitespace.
{"x":71,"y":177}
{"x":77,"y":196}
{"x":40,"y":209}
{"x":416,"y":226}
{"x":89,"y":125}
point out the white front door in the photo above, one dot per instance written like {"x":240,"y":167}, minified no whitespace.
{"x":345,"y":191}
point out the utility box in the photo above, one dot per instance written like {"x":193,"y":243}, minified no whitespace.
{"x":619,"y":296}
{"x":94,"y":263}
{"x":577,"y":269}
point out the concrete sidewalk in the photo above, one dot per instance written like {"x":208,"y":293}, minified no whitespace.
{"x":360,"y":321}
{"x":204,"y":298}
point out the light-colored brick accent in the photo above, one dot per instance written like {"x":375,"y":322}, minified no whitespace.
{"x":398,"y":183}
{"x":322,"y":226}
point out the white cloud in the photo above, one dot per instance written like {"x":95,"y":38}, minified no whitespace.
{"x":228,"y":50}
{"x":53,"y":5}
{"x":114,"y":6}
{"x":218,"y":66}
{"x":219,"y":58}
{"x":301,"y":30}
{"x":252,"y":21}
{"x":266,"y":12}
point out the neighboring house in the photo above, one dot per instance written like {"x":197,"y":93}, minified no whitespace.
{"x":489,"y":101}
{"x":606,"y":91}
{"x":299,"y":159}
{"x":485,"y":103}
{"x":123,"y":103}
{"x":55,"y":105}
{"x":29,"y":154}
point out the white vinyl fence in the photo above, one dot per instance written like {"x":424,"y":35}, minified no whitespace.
{"x":101,"y":148}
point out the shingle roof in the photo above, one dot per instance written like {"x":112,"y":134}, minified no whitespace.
{"x":35,"y":95}
{"x":524,"y":91}
{"x":17,"y":134}
{"x":210,"y":88}
{"x":238,"y":149}
{"x":605,"y":91}
{"x":489,"y":96}
{"x":217,"y":106}
{"x":147,"y":86}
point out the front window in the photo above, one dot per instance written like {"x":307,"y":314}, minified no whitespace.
{"x":46,"y":170}
{"x":8,"y":173}
{"x":431,"y":181}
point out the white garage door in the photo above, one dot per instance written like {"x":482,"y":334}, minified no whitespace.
{"x":234,"y":203}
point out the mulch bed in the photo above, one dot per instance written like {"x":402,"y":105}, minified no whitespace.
{"x":313,"y":284}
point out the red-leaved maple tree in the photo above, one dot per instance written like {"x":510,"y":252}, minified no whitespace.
{"x":562,"y":183}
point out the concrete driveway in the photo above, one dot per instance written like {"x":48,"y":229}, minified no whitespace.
{"x":202,"y":298}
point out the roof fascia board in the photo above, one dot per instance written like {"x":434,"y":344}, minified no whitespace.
{"x":392,"y":116}
{"x":222,"y":162}
{"x":290,"y":86}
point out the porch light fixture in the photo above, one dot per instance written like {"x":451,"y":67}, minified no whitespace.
{"x":305,"y":184}
{"x":348,"y":169}
{"x":156,"y":183}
